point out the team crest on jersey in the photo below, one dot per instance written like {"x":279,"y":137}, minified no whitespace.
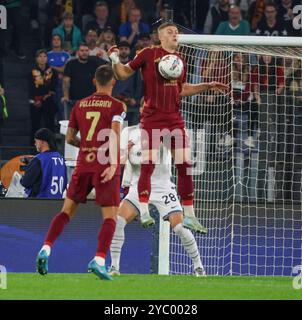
{"x":90,"y":157}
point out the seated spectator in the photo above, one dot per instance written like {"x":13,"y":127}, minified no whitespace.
{"x":91,"y":40}
{"x":129,"y":91}
{"x":154,"y":37}
{"x":70,"y":33}
{"x":218,"y":13}
{"x":42,"y":85}
{"x":78,"y":77}
{"x":57,"y":59}
{"x":130,"y":30}
{"x":124,"y":9}
{"x":106,"y":39}
{"x":101,"y":20}
{"x":46,"y":174}
{"x":270,"y":25}
{"x":294,"y":84}
{"x":256,"y":13}
{"x":143,"y":41}
{"x":53,"y":11}
{"x":235,"y":25}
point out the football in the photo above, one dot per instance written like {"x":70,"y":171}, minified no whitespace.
{"x":170,"y":67}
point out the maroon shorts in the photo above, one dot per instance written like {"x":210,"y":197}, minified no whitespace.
{"x":175,"y":139}
{"x":166,"y":128}
{"x":106,"y":194}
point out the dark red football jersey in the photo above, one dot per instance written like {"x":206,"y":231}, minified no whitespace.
{"x":93,"y":117}
{"x":160,"y":95}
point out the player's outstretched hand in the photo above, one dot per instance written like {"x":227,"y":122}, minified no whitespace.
{"x":113,"y":54}
{"x":108,"y":174}
{"x":218,"y":86}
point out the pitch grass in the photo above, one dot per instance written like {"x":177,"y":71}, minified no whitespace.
{"x":31,"y":286}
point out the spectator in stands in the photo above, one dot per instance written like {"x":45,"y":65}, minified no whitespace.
{"x":270,"y":25}
{"x":256,"y":13}
{"x":294,"y":84}
{"x":54,"y":12}
{"x":246,"y":95}
{"x":124,"y":10}
{"x":286,"y":15}
{"x":101,"y":20}
{"x":57,"y":59}
{"x":15,"y":20}
{"x":154,"y":37}
{"x":215,"y":66}
{"x":271,"y":80}
{"x":42,"y":85}
{"x":46,"y":174}
{"x":217,"y":13}
{"x":91,"y":40}
{"x":235,"y":25}
{"x":129,"y":91}
{"x":70,"y":33}
{"x":143,"y":41}
{"x":130,"y":30}
{"x":78,"y":77}
{"x":106,"y":39}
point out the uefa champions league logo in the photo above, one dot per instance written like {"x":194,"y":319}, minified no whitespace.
{"x":3,"y":278}
{"x":297,"y":20}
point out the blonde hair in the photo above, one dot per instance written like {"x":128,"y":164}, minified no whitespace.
{"x":101,"y":40}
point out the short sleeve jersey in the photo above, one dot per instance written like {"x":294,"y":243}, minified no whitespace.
{"x":160,"y":94}
{"x":93,"y":117}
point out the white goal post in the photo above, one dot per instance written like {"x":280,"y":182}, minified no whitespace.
{"x":248,"y":164}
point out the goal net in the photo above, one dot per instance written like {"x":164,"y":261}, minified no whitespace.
{"x":247,"y":154}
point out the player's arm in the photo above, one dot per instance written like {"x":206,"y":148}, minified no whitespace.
{"x":71,"y":137}
{"x":122,"y":71}
{"x":114,"y":147}
{"x":191,"y":89}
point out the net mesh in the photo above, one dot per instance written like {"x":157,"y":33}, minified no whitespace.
{"x":247,"y":151}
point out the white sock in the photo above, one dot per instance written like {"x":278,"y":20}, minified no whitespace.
{"x":189,"y":211}
{"x":99,"y":260}
{"x":189,"y":243}
{"x":117,"y":242}
{"x":47,"y":249}
{"x":144,"y":208}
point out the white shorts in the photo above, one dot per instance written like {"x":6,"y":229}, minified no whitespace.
{"x":165,"y":200}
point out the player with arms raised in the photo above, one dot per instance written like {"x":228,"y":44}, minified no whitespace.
{"x":98,"y":118}
{"x":161,"y":118}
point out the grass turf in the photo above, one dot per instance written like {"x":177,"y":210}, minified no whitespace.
{"x":31,"y":286}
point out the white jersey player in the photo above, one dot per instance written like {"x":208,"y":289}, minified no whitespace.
{"x":163,"y":196}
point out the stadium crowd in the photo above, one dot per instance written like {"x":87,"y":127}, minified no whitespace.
{"x":76,"y":35}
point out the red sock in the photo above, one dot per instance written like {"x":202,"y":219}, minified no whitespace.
{"x":185,"y":185}
{"x":144,"y":182}
{"x":56,"y":227}
{"x":105,"y":237}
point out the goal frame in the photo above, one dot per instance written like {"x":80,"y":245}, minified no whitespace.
{"x":217,"y":40}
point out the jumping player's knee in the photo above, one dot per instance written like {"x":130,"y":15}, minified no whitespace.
{"x":175,"y":219}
